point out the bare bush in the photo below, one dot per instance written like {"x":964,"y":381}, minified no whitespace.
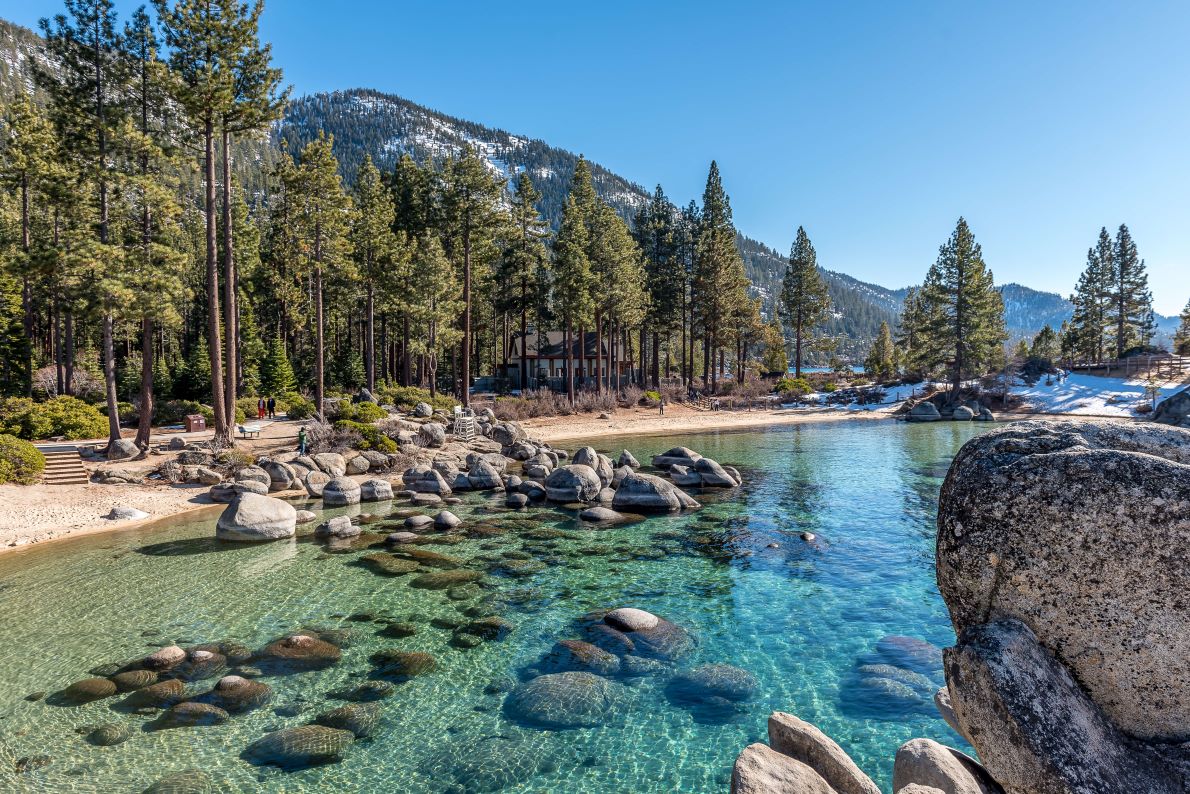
{"x":322,"y":437}
{"x":590,"y":401}
{"x":630,"y":395}
{"x":673,"y":392}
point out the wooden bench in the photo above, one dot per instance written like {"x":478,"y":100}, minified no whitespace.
{"x":249,"y":431}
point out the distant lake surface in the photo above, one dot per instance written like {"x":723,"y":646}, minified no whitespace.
{"x":820,"y":625}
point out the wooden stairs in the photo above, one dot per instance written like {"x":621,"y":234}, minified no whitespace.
{"x":63,"y":466}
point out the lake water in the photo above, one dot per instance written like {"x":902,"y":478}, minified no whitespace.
{"x":802,"y":617}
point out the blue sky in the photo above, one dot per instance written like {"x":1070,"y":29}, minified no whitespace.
{"x":873,"y":124}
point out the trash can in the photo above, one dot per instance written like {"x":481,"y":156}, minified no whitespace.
{"x":195,"y":422}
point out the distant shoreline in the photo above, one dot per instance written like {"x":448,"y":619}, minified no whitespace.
{"x":35,"y":515}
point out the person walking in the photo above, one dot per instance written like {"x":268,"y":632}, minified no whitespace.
{"x":260,"y":407}
{"x":302,"y":441}
{"x":272,"y":408}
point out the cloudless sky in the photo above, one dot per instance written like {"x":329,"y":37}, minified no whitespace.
{"x":873,"y":124}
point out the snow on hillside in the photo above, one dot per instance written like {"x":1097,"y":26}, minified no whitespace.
{"x":1089,"y":395}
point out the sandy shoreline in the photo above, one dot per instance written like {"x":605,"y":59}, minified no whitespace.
{"x":38,"y":514}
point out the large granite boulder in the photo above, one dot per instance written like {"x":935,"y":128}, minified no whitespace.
{"x":483,"y":476}
{"x":282,"y":477}
{"x":1174,"y":410}
{"x":924,"y":412}
{"x":927,"y":763}
{"x":251,"y":517}
{"x":1037,"y":730}
{"x":572,"y":483}
{"x":424,"y":479}
{"x":677,"y":456}
{"x":507,"y":433}
{"x":713,"y":475}
{"x":1079,"y":531}
{"x":1061,"y":558}
{"x":341,"y":491}
{"x":331,"y":463}
{"x":431,"y":435}
{"x":804,"y":742}
{"x":639,"y":491}
{"x":761,"y":770}
{"x":375,"y":490}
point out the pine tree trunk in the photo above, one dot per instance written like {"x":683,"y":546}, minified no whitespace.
{"x":656,"y":360}
{"x":569,"y":363}
{"x":406,"y":359}
{"x":230,"y":299}
{"x":68,"y":353}
{"x":215,"y":346}
{"x":797,"y":346}
{"x":144,"y":424}
{"x":59,"y":369}
{"x":370,"y":341}
{"x":524,"y":362}
{"x":319,"y":345}
{"x":465,"y":395}
{"x":109,"y":379}
{"x":598,"y":351}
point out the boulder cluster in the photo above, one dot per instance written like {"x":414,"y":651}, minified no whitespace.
{"x":936,"y":410}
{"x":1061,"y":559}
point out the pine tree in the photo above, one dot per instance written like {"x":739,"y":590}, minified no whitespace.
{"x":474,"y":217}
{"x":153,"y":241}
{"x":256,"y":101}
{"x":719,"y":280}
{"x":804,"y":297}
{"x":1091,"y":299}
{"x":1181,"y":339}
{"x":881,"y":360}
{"x":323,"y":218}
{"x":572,"y":282}
{"x":658,"y":236}
{"x":776,"y":359}
{"x":964,"y":313}
{"x":1046,"y":345}
{"x":202,"y":61}
{"x":376,"y":249}
{"x":1130,"y":306}
{"x":26,"y":166}
{"x":276,"y":373}
{"x":86,"y":93}
{"x":525,"y":264}
{"x":436,"y":304}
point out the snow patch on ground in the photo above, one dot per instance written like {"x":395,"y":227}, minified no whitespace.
{"x":1089,"y":395}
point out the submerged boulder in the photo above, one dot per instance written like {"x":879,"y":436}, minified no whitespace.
{"x":361,"y":718}
{"x":88,"y":690}
{"x":251,"y":517}
{"x":299,"y":652}
{"x":190,"y":714}
{"x":300,"y":747}
{"x":562,"y":700}
{"x":677,"y":456}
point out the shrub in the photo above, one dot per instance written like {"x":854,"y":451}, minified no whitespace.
{"x":591,"y":401}
{"x":362,"y":412}
{"x":794,"y":387}
{"x":631,"y":395}
{"x":127,"y":411}
{"x":372,"y":437}
{"x":829,"y":387}
{"x":652,"y":398}
{"x":322,"y":437}
{"x":20,"y":462}
{"x":298,"y":407}
{"x":405,"y":397}
{"x":68,"y":417}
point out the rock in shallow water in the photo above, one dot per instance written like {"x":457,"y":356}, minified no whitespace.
{"x":252,"y":517}
{"x":300,"y":747}
{"x":806,"y":743}
{"x":927,"y":763}
{"x":761,"y":770}
{"x":190,"y":781}
{"x":562,"y":700}
{"x":360,"y":718}
{"x":88,"y":690}
{"x":110,"y":734}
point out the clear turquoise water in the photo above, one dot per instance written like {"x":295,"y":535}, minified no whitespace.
{"x":801,"y":617}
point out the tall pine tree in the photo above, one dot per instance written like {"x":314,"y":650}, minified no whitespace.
{"x":1130,"y":306}
{"x":804,"y":298}
{"x":964,"y":313}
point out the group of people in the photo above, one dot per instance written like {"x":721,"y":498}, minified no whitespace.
{"x":266,"y":406}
